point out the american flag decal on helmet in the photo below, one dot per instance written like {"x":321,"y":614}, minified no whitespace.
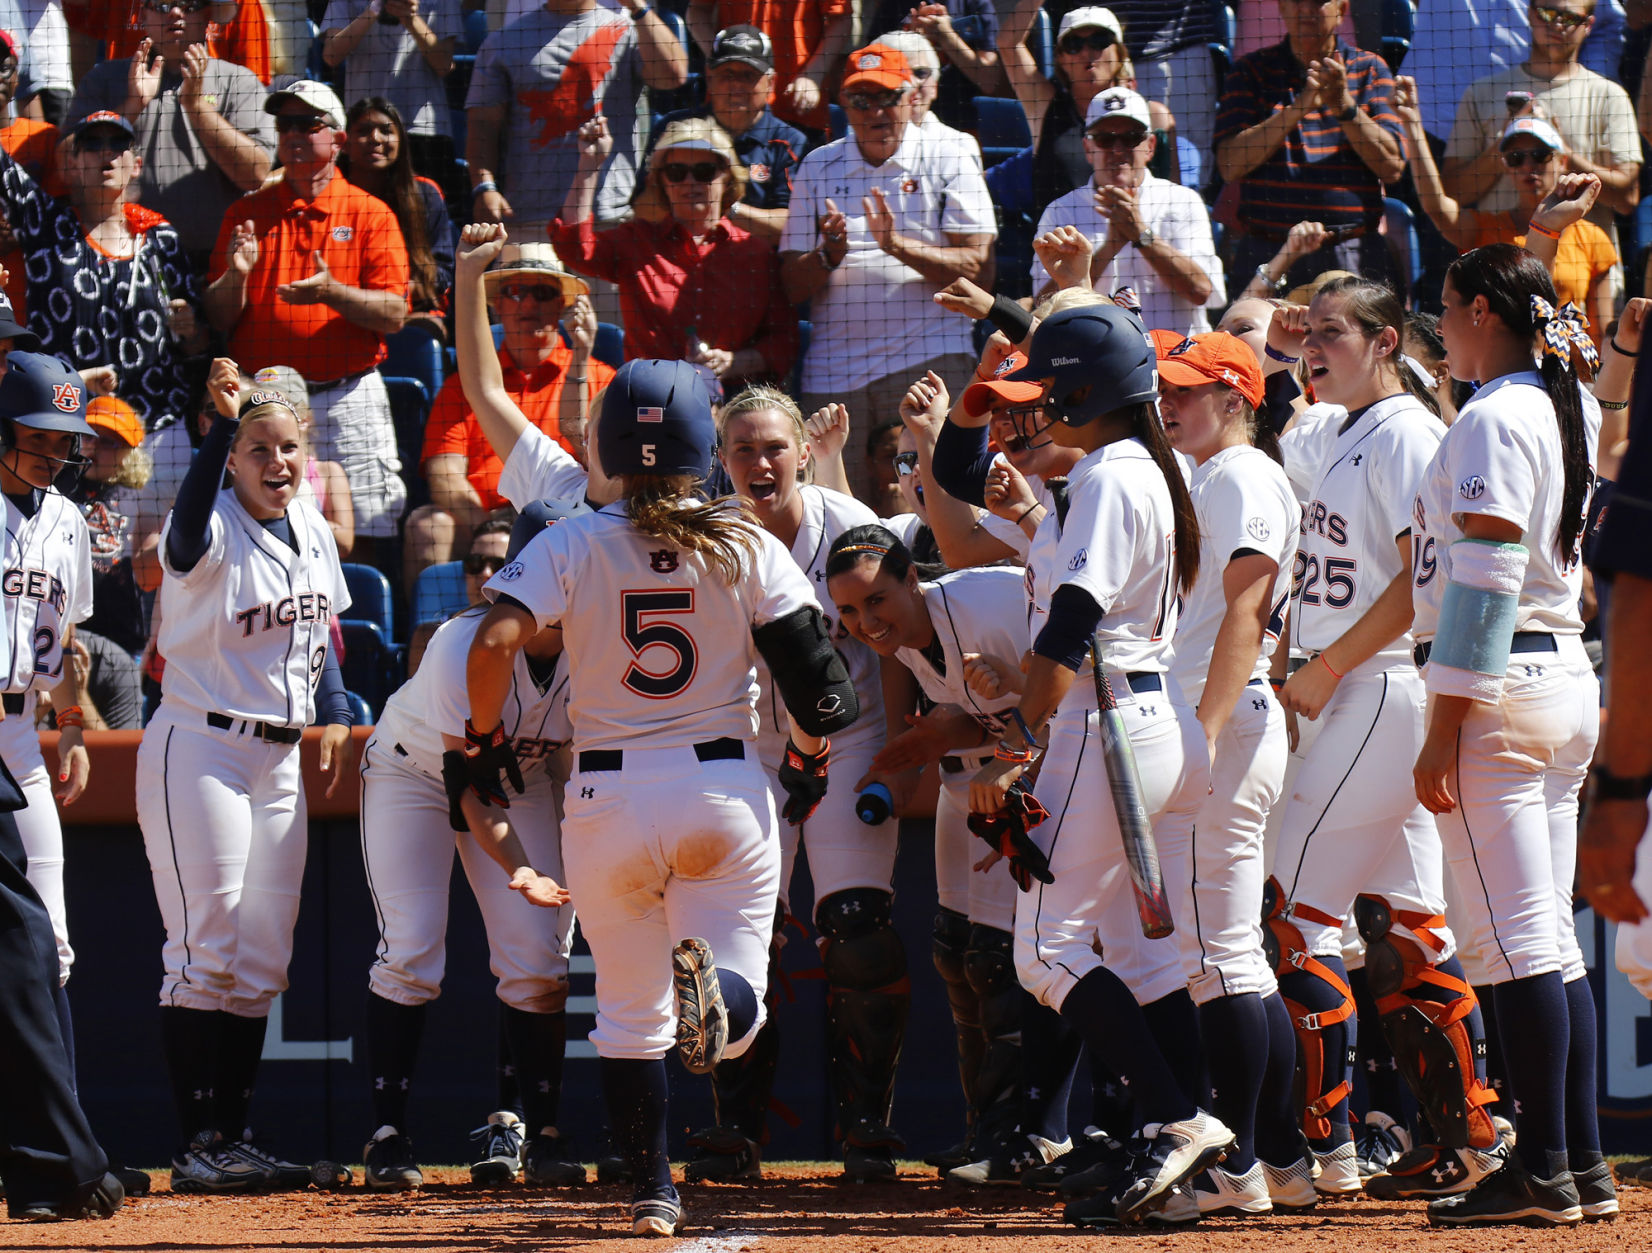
{"x":650,"y":413}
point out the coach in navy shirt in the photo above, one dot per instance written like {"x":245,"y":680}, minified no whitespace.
{"x":739,"y":85}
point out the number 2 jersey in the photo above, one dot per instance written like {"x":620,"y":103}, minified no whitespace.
{"x":659,"y":648}
{"x":47,"y":582}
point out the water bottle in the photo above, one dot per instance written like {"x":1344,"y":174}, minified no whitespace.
{"x":874,"y":805}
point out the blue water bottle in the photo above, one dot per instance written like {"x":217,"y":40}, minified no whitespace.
{"x":874,"y":805}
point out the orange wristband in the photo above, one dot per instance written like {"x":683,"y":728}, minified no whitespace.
{"x":1543,"y":231}
{"x":1329,"y":667}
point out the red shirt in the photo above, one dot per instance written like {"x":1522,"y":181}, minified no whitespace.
{"x":454,"y":431}
{"x":362,"y":243}
{"x":727,"y":288}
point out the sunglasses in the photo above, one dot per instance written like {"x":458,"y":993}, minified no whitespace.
{"x":703,"y":171}
{"x":1560,"y":18}
{"x":1116,"y":139}
{"x":866,"y":102}
{"x":1520,"y":157}
{"x":166,"y":6}
{"x":923,"y":73}
{"x":906,"y":463}
{"x":1080,"y":41}
{"x":116,"y":143}
{"x":544,"y":293}
{"x":482,"y":563}
{"x":300,"y":123}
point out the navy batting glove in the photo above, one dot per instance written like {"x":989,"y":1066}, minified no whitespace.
{"x":804,"y":778}
{"x":487,"y":753}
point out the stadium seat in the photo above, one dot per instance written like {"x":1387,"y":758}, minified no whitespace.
{"x":692,"y":90}
{"x":414,"y":352}
{"x":1227,"y":34}
{"x":1041,"y":42}
{"x":359,"y":707}
{"x":409,"y":409}
{"x":840,"y":120}
{"x":372,"y":664}
{"x":1001,"y":127}
{"x":805,"y":332}
{"x":610,"y":346}
{"x":370,"y":597}
{"x":1401,"y":224}
{"x":439,"y":592}
{"x":1399,"y":23}
{"x":476,"y":30}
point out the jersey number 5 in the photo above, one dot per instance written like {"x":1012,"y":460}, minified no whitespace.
{"x":641,"y":635}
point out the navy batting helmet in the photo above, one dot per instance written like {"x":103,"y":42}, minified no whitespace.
{"x":1100,"y":359}
{"x":540,"y":515}
{"x":656,"y":419}
{"x":40,"y":392}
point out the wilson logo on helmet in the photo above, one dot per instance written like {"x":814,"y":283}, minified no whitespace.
{"x":1066,"y":361}
{"x":66,"y":396}
{"x":650,"y":413}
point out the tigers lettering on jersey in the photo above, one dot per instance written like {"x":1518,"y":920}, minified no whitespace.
{"x":273,"y":615}
{"x":1317,"y":518}
{"x":528,"y":750}
{"x":35,"y":585}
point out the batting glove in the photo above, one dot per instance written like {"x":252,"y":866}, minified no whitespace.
{"x":1007,"y":830}
{"x":804,"y":778}
{"x":486,"y":754}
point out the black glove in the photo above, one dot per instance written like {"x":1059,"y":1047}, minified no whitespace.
{"x":1007,"y":830}
{"x":456,"y":780}
{"x":486,"y":754}
{"x":804,"y":778}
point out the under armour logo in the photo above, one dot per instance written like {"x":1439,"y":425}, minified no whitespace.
{"x":1148,"y":711}
{"x":662,"y":562}
{"x":1357,"y":458}
{"x":587,"y":793}
{"x":1446,"y":1170}
{"x":1258,"y":704}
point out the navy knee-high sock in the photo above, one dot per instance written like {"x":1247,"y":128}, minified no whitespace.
{"x":1106,"y":1014}
{"x":1337,"y":1041}
{"x":1535,"y":1024}
{"x":1235,"y":1030}
{"x":66,"y":1026}
{"x":537,"y":1044}
{"x":1582,"y":1123}
{"x":635,"y":1091}
{"x":1278,"y":1125}
{"x":240,"y":1047}
{"x":739,"y":1000}
{"x":393,"y":1035}
{"x":1109,"y":1099}
{"x":1374,"y":1060}
{"x":1497,"y":1071}
{"x":189,"y":1037}
{"x":1049,"y":1061}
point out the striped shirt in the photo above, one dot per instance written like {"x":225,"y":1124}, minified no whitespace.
{"x":1315,"y":175}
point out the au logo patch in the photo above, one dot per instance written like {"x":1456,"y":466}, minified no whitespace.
{"x":66,"y":396}
{"x":759,"y":172}
{"x":662,"y":562}
{"x":343,"y":234}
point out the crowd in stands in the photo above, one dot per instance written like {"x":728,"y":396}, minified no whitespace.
{"x":772,"y":191}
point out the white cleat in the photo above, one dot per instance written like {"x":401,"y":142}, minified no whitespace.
{"x":1224,"y":1195}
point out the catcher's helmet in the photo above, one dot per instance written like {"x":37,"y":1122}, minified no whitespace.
{"x":540,"y":515}
{"x":1100,"y":359}
{"x":656,"y":419}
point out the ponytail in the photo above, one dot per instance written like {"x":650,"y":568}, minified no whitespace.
{"x":722,"y":531}
{"x":1145,"y":426}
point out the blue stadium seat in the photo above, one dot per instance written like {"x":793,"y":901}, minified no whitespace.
{"x":805,"y":332}
{"x":1402,"y":235}
{"x":692,"y":90}
{"x":439,"y":592}
{"x":1227,"y":34}
{"x":360,"y":708}
{"x":409,"y":409}
{"x":1001,"y":126}
{"x":840,"y":120}
{"x":1399,"y":23}
{"x":414,"y":352}
{"x":1041,"y":43}
{"x":476,"y":30}
{"x":371,"y":599}
{"x":610,"y":346}
{"x":371,"y":665}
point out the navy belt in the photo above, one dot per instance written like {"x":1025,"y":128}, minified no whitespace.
{"x":597,"y":760}
{"x":1145,"y":681}
{"x":14,"y":703}
{"x":1523,"y":642}
{"x":951,"y":765}
{"x":263,"y":730}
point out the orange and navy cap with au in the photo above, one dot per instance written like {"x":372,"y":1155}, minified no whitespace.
{"x":1215,"y":357}
{"x":1000,"y":391}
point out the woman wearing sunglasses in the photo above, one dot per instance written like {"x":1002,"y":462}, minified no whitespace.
{"x":693,"y":286}
{"x":1534,"y":156}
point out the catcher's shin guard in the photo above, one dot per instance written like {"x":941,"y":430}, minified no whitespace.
{"x":1425,"y":1013}
{"x":1282,"y":941}
{"x":868,"y":997}
{"x":948,"y":948}
{"x":990,"y":964}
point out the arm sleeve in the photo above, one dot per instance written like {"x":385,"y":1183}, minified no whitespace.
{"x":962,"y":460}
{"x":331,"y":704}
{"x":1008,"y":316}
{"x":1066,"y":633}
{"x":186,"y":537}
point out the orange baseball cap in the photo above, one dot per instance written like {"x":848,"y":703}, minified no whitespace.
{"x":877,"y":65}
{"x":999,"y":391}
{"x":1215,"y":357}
{"x":114,"y":415}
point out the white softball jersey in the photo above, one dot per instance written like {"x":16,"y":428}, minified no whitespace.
{"x":1502,"y":459}
{"x":663,"y":660}
{"x":47,"y":581}
{"x":1244,"y":502}
{"x":539,"y":468}
{"x":1010,"y":533}
{"x":244,"y":632}
{"x":1361,"y":505}
{"x":1304,"y":446}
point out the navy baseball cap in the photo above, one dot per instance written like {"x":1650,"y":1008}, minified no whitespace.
{"x":39,"y":391}
{"x":745,"y":44}
{"x":10,"y":328}
{"x":102,"y":117}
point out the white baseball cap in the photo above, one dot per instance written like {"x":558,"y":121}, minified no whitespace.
{"x":1118,"y":102}
{"x":313,"y":95}
{"x":1091,"y":15}
{"x":1540,"y":129}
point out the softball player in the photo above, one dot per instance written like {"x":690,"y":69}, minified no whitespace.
{"x":1210,"y":389}
{"x":47,"y":583}
{"x":669,"y":834}
{"x":1109,"y":572}
{"x":939,"y":630}
{"x":251,"y":582}
{"x":851,"y":862}
{"x":407,"y":836}
{"x":1513,"y":711}
{"x":1352,"y":836}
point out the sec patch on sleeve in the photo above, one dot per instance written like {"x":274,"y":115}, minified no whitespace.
{"x":1472,"y":488}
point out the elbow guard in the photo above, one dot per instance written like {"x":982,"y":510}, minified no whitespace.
{"x":1066,"y":635}
{"x":809,"y":674}
{"x":1477,"y":618}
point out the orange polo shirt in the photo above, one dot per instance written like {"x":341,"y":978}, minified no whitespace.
{"x":33,"y":145}
{"x":454,"y":431}
{"x":362,"y":243}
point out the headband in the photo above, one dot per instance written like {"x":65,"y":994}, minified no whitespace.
{"x":876,"y":550}
{"x":1564,"y":330}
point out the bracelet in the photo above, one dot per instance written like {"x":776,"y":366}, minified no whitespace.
{"x":1037,"y":504}
{"x":1623,"y":352}
{"x":1273,"y":283}
{"x":1026,"y":731}
{"x":73,"y":716}
{"x":1543,"y":231}
{"x":1020,"y":756}
{"x":1612,"y":405}
{"x":1607,"y":786}
{"x":1274,"y":683}
{"x":1328,"y":666}
{"x":1275,"y":355}
{"x":487,"y":184}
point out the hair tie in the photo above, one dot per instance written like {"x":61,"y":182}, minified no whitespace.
{"x":1564,"y":330}
{"x":876,"y":550}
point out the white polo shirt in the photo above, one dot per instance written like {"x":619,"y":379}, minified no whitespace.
{"x":877,"y":316}
{"x":1178,"y":216}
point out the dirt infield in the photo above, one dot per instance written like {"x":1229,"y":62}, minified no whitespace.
{"x":800,"y":1207}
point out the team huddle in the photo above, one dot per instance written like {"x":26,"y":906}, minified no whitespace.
{"x":1236,"y":738}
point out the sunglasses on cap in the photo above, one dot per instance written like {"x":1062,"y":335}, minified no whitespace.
{"x":544,"y":293}
{"x":1560,"y":18}
{"x":702,"y":171}
{"x":1118,"y":139}
{"x":483,"y":563}
{"x":871,"y":102}
{"x":166,"y":6}
{"x":906,"y":463}
{"x":1095,"y":40}
{"x":301,"y":123}
{"x":1519,"y":157}
{"x":116,"y":142}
